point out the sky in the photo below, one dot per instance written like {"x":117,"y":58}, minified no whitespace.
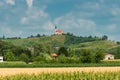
{"x":23,"y":18}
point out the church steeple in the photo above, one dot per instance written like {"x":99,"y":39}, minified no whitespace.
{"x":58,"y":31}
{"x":55,"y":27}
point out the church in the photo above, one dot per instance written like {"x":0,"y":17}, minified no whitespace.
{"x":58,"y":31}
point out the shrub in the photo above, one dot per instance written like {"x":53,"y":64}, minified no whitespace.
{"x":9,"y":56}
{"x":98,"y":56}
{"x":43,"y":57}
{"x":85,"y":56}
{"x":63,"y":51}
{"x":24,"y":57}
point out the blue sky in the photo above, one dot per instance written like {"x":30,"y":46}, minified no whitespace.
{"x":81,"y":17}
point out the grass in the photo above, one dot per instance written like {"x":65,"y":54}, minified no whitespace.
{"x":26,"y":42}
{"x":60,"y":39}
{"x":66,"y":76}
{"x":96,"y":45}
{"x":37,"y":64}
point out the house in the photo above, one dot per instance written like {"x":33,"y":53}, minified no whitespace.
{"x":108,"y":56}
{"x":1,"y":58}
{"x":54,"y":55}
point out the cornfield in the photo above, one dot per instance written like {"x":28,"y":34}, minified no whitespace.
{"x":66,"y":76}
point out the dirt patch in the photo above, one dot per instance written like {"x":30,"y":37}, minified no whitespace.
{"x":13,"y":71}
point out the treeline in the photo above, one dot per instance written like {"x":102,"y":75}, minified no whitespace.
{"x":10,"y":37}
{"x":36,"y":36}
{"x":72,"y":39}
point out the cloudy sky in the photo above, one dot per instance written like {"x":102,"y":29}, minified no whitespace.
{"x":81,"y":17}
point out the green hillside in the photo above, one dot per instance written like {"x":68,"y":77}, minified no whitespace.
{"x":65,"y":40}
{"x":27,"y":42}
{"x":105,"y":44}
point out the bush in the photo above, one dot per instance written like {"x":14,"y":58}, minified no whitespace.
{"x":24,"y":57}
{"x":98,"y":56}
{"x":63,"y":51}
{"x":43,"y":57}
{"x":63,"y":59}
{"x":9,"y":56}
{"x":85,"y":56}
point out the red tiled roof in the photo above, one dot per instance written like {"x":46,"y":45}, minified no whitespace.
{"x":59,"y":31}
{"x":53,"y":54}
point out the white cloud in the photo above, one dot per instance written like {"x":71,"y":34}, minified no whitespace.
{"x":29,"y":3}
{"x":1,"y":3}
{"x":9,"y":31}
{"x":115,"y":11}
{"x":34,"y":15}
{"x":74,"y":22}
{"x":112,"y":27}
{"x":102,"y":1}
{"x":24,"y":20}
{"x":48,"y":26}
{"x":91,"y":5}
{"x":114,"y":37}
{"x":11,"y":2}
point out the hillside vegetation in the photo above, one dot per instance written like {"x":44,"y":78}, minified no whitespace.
{"x":28,"y":42}
{"x":104,"y":44}
{"x":65,"y":40}
{"x":68,"y":47}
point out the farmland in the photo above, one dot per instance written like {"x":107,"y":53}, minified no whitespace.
{"x":83,"y":73}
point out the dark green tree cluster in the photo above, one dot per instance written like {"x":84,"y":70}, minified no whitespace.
{"x":115,"y":51}
{"x":87,"y":56}
{"x":72,"y":39}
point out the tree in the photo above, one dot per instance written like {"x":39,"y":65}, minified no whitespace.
{"x":9,"y":56}
{"x":71,"y":53}
{"x":38,"y":35}
{"x":39,"y":48}
{"x":24,"y":57}
{"x":85,"y":56}
{"x":105,"y":37}
{"x":63,"y":50}
{"x":118,"y":42}
{"x":98,"y":56}
{"x":3,"y":37}
{"x":43,"y":57}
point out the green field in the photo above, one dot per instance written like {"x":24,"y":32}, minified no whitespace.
{"x":39,"y":65}
{"x":66,"y":76}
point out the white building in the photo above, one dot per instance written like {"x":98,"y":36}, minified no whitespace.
{"x":1,"y":58}
{"x":108,"y":56}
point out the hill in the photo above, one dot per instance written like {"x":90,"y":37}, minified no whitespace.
{"x":40,"y":48}
{"x":68,"y":40}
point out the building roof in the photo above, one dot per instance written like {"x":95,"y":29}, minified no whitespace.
{"x":108,"y":54}
{"x":59,"y":31}
{"x":54,"y":54}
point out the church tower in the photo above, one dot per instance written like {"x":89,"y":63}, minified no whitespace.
{"x":58,"y":31}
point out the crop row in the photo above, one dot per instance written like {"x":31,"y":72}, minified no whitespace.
{"x":66,"y":76}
